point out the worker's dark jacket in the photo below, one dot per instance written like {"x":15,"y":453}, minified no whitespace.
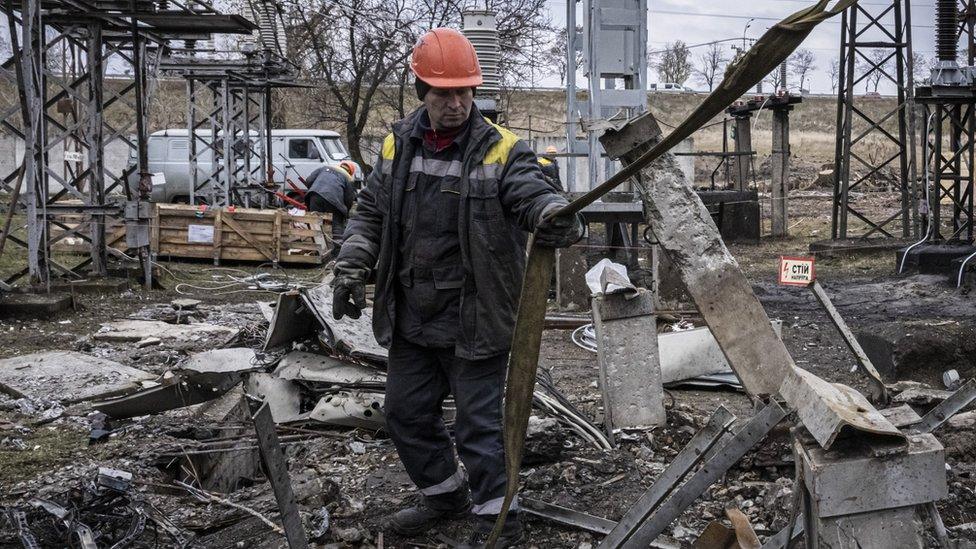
{"x":502,"y":195}
{"x":336,"y":188}
{"x":550,"y":169}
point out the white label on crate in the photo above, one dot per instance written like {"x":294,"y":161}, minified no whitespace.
{"x":796,"y":271}
{"x":200,"y":234}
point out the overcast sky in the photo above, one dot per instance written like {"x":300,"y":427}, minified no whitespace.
{"x":698,"y":21}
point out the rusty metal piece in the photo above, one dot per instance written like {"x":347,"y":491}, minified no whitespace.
{"x":745,"y":536}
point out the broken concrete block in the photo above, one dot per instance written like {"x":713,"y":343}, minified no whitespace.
{"x":921,"y":396}
{"x":630,"y":374}
{"x":67,"y":376}
{"x":965,"y":420}
{"x":137,"y":330}
{"x":282,"y":395}
{"x":853,"y":480}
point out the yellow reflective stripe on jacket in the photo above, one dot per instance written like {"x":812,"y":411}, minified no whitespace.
{"x":389,"y":148}
{"x":498,"y":153}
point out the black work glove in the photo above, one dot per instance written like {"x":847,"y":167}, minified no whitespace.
{"x":348,"y":292}
{"x":559,"y":231}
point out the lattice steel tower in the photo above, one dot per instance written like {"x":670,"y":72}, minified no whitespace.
{"x":878,"y":41}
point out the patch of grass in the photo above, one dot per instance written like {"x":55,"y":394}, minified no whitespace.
{"x":47,"y":447}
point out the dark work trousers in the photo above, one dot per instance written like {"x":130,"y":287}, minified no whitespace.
{"x":318,"y":204}
{"x":418,"y":380}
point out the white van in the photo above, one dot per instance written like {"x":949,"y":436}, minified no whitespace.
{"x":296,"y":154}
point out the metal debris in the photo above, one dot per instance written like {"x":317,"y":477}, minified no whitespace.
{"x":947,"y":408}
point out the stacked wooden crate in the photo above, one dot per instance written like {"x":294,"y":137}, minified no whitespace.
{"x":241,"y":234}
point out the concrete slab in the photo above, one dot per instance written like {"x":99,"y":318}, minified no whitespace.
{"x":34,"y":305}
{"x":933,"y":258}
{"x":68,"y":376}
{"x":137,"y":330}
{"x":234,"y":359}
{"x":105,"y":285}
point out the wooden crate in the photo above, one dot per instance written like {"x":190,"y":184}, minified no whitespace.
{"x":241,"y":234}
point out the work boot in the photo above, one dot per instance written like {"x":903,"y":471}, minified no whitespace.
{"x":511,"y":536}
{"x":429,"y":510}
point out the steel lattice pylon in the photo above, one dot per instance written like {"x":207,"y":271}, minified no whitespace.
{"x":59,"y":66}
{"x":84,"y":74}
{"x":229,"y":125}
{"x":862,"y":135}
{"x":949,"y":127}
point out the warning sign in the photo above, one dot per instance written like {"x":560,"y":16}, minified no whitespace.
{"x":796,"y":271}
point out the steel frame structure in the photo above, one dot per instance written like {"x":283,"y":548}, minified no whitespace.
{"x":949,"y":130}
{"x":856,"y":22}
{"x":64,"y":108}
{"x":947,"y":151}
{"x":233,"y":100}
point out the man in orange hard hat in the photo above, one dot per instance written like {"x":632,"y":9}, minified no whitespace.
{"x":442,"y":225}
{"x":330,"y":190}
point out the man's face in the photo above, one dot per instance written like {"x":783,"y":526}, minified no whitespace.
{"x":448,"y":108}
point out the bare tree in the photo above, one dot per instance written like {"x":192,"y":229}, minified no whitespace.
{"x":833,"y":71}
{"x":711,"y":63}
{"x":673,"y":64}
{"x":800,"y":64}
{"x":358,"y":51}
{"x":556,"y":55}
{"x":875,"y":68}
{"x":920,"y":67}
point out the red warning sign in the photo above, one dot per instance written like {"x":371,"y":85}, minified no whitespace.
{"x":796,"y":271}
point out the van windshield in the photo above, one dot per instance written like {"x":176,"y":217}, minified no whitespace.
{"x":333,"y":147}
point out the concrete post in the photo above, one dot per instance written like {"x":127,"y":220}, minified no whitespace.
{"x":743,"y":144}
{"x":781,"y":171}
{"x":630,"y":371}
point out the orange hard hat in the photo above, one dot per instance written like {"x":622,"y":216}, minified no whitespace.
{"x":348,"y":166}
{"x":445,"y":58}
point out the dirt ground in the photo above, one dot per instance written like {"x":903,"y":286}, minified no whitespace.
{"x":355,"y":474}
